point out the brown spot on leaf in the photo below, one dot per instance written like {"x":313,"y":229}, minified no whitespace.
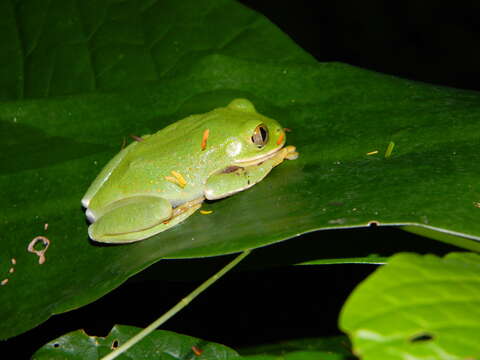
{"x":40,"y":253}
{"x":136,"y":138}
{"x":114,"y":344}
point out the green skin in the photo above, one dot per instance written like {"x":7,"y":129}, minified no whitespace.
{"x":136,"y":196}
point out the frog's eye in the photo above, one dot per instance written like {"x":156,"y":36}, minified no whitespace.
{"x":260,"y":135}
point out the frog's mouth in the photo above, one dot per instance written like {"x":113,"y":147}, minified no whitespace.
{"x":257,"y":160}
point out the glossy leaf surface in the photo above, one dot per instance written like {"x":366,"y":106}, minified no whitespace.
{"x":141,"y":70}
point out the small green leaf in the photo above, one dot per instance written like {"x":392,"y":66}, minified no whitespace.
{"x":417,"y":307}
{"x":160,"y":345}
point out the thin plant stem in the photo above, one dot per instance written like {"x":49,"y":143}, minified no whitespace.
{"x":179,"y":306}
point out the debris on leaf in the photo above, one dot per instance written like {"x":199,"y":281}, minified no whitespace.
{"x":136,"y":138}
{"x":389,"y":150}
{"x":40,"y":253}
{"x":197,"y":351}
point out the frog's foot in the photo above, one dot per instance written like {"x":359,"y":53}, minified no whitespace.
{"x":138,"y":218}
{"x":290,"y":152}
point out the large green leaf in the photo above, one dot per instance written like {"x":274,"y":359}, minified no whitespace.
{"x":53,"y":146}
{"x":417,"y":307}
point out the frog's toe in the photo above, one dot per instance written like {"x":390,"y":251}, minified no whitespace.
{"x":90,"y":215}
{"x":292,"y":155}
{"x":85,"y":201}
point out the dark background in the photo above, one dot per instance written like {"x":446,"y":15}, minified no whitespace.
{"x":430,"y":41}
{"x":424,"y":41}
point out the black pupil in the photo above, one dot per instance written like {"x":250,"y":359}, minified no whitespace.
{"x":260,"y":136}
{"x":263,"y":133}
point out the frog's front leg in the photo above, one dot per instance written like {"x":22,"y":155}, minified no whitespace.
{"x":237,"y":178}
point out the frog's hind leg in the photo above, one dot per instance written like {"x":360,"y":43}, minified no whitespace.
{"x":156,"y":215}
{"x":179,"y":214}
{"x":130,"y":220}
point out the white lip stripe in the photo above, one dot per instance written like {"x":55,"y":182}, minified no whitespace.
{"x":259,"y":158}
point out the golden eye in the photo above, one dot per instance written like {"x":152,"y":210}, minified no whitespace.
{"x":260,"y":135}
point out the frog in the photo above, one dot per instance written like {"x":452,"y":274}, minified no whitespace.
{"x":160,"y":179}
